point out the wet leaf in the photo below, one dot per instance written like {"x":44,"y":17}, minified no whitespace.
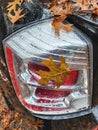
{"x":14,"y":12}
{"x":56,"y":73}
{"x":16,"y":17}
{"x":82,"y":4}
{"x":59,"y":25}
{"x":12,"y":5}
{"x":63,"y":8}
{"x":95,"y":11}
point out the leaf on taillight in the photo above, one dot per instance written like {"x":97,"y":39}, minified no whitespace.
{"x":34,"y":68}
{"x":61,"y":9}
{"x":51,"y":4}
{"x":57,"y":24}
{"x":56,"y":73}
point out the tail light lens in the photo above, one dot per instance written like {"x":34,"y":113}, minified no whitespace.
{"x":24,"y":51}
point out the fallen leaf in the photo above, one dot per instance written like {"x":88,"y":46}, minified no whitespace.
{"x":82,"y":4}
{"x":63,"y":8}
{"x":94,"y":3}
{"x":56,"y":73}
{"x":38,"y":124}
{"x":51,"y":4}
{"x":95,"y":11}
{"x":12,"y":5}
{"x":16,"y":17}
{"x":59,"y":25}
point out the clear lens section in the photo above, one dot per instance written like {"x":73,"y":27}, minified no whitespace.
{"x":24,"y":52}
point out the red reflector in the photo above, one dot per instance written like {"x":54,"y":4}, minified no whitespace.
{"x":33,"y":67}
{"x":10,"y":60}
{"x":51,"y":93}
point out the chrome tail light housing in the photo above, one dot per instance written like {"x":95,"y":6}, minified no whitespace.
{"x":24,"y":51}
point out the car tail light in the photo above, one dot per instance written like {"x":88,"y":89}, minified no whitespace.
{"x":24,"y":51}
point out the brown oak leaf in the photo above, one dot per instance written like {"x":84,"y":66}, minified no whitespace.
{"x":56,"y":74}
{"x":61,"y":9}
{"x":15,"y":12}
{"x":82,"y":4}
{"x":95,"y":11}
{"x":51,"y":4}
{"x":59,"y":25}
{"x":17,"y":16}
{"x":94,"y":3}
{"x":12,"y":5}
